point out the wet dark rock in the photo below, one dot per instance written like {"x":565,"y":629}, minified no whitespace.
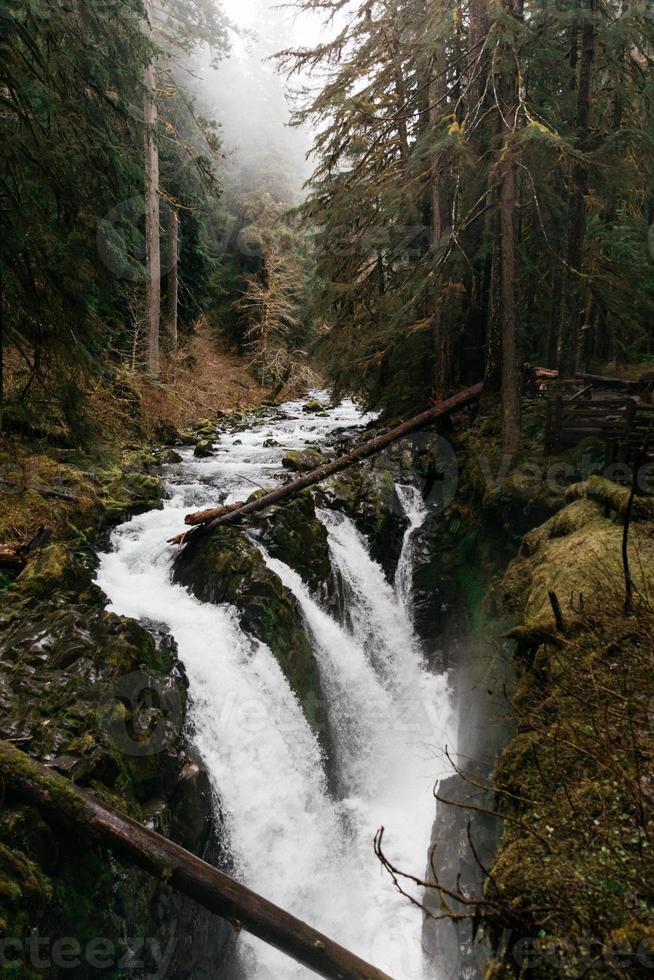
{"x":293,"y":534}
{"x":103,"y":701}
{"x":370,"y":499}
{"x":203,"y":449}
{"x":436,"y":593}
{"x":167,"y":433}
{"x":314,"y":407}
{"x":301,"y":461}
{"x":270,"y":444}
{"x":224,"y":567}
{"x":126,"y":494}
{"x":169,"y":456}
{"x":57,"y":570}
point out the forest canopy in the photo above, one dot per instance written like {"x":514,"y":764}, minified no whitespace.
{"x":480,"y":195}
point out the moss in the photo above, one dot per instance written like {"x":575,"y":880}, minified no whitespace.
{"x":203,"y":448}
{"x":615,"y":497}
{"x":56,"y":569}
{"x":578,"y":555}
{"x":225,"y":567}
{"x":303,"y":461}
{"x":294,"y":534}
{"x":314,"y":406}
{"x":574,"y":861}
{"x":369,"y":498}
{"x":125,"y":494}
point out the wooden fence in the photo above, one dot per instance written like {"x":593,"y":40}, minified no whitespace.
{"x":625,"y":424}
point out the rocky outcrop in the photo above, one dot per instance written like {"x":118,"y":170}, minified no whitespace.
{"x":578,"y":555}
{"x":103,"y":701}
{"x":293,"y":534}
{"x":225,"y":567}
{"x":370,"y":499}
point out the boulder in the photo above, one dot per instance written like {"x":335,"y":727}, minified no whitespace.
{"x":370,"y":499}
{"x":225,"y":567}
{"x":314,"y":407}
{"x":302,"y":461}
{"x":578,"y":555}
{"x":169,"y":456}
{"x":203,"y":449}
{"x":292,"y":533}
{"x":125,"y":495}
{"x":76,"y":688}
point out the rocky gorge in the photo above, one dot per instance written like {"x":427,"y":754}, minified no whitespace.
{"x":270,"y":695}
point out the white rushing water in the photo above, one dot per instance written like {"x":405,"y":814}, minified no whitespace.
{"x":304,"y":846}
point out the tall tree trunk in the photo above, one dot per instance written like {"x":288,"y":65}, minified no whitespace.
{"x":510,"y":372}
{"x":441,"y":228}
{"x":478,"y":279}
{"x":152,"y":241}
{"x":172,"y":298}
{"x":577,"y":204}
{"x":505,"y":302}
{"x":493,"y":371}
{"x":2,"y":355}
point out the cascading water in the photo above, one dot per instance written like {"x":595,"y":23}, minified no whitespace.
{"x":301,"y":845}
{"x":414,"y":508}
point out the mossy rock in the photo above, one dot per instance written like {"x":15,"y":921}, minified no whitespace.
{"x":578,"y":555}
{"x":56,"y":568}
{"x":302,"y":461}
{"x":168,"y":456}
{"x":125,"y":495}
{"x":369,"y":498}
{"x":224,"y":567}
{"x":66,"y":693}
{"x":313,"y":407}
{"x":203,"y":449}
{"x":292,"y":533}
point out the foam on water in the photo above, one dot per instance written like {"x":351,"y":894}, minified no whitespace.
{"x":300,"y":846}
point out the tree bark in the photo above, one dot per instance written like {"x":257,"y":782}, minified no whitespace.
{"x":510,"y":373}
{"x":2,"y":356}
{"x":505,"y":306}
{"x":152,"y":241}
{"x":79,"y":812}
{"x":172,"y":299}
{"x":577,"y":203}
{"x":206,"y":520}
{"x":441,"y":228}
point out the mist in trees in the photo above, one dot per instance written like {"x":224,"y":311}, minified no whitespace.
{"x":479,"y":191}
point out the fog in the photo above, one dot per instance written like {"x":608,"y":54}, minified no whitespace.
{"x":253,"y":103}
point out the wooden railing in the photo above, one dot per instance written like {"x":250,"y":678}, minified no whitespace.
{"x":623,"y":423}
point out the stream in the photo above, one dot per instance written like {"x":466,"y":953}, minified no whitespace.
{"x":301,"y":839}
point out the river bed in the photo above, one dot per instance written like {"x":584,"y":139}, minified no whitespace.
{"x":301,"y":839}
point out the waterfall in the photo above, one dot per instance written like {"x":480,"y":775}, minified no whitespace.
{"x":414,"y":508}
{"x":301,"y":845}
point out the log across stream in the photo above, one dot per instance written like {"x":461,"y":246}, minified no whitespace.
{"x":296,"y":834}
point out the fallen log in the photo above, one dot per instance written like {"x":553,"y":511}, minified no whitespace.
{"x":76,"y":810}
{"x":619,"y":499}
{"x":602,"y":381}
{"x":205,"y":521}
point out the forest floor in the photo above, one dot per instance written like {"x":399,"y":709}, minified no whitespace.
{"x":48,"y":477}
{"x":206,"y":376}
